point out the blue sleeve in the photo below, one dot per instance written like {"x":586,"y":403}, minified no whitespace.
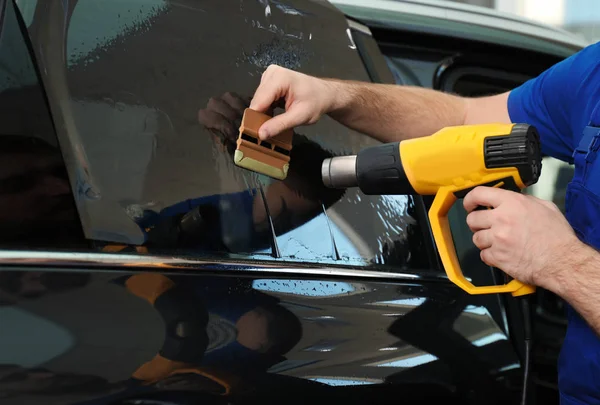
{"x":555,"y":101}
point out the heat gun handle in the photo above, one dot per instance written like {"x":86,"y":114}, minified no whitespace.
{"x":440,"y":226}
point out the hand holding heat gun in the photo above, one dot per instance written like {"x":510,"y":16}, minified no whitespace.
{"x":447,"y":164}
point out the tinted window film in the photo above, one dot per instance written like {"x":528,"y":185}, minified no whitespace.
{"x":36,"y":203}
{"x":155,"y":92}
{"x":23,"y":110}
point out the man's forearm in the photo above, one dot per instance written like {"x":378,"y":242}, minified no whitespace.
{"x":392,"y":113}
{"x":577,"y":280}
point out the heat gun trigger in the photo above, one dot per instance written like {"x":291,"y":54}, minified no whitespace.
{"x":507,"y":184}
{"x":499,"y":184}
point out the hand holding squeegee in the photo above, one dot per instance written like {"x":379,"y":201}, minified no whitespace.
{"x":270,"y":157}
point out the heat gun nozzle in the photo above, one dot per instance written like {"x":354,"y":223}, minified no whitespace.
{"x":339,"y":172}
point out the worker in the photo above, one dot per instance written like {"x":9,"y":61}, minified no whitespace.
{"x":526,"y":237}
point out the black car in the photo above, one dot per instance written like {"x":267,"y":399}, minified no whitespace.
{"x":139,"y":265}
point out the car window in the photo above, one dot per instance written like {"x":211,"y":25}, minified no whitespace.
{"x":23,"y":108}
{"x":36,"y":203}
{"x":26,"y":9}
{"x":148,"y":104}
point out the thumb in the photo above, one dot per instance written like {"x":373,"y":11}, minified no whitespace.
{"x":281,"y":123}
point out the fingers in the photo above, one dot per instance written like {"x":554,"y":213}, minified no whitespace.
{"x":276,"y":125}
{"x":484,"y":196}
{"x":271,"y":89}
{"x":268,"y":95}
{"x":487,"y":257}
{"x":483,"y":239}
{"x":265,"y":97}
{"x":215,"y":121}
{"x":478,"y":220}
{"x":219,"y":106}
{"x":236,"y":102}
{"x":303,"y":95}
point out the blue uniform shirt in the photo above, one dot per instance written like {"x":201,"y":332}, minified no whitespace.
{"x":563,"y":103}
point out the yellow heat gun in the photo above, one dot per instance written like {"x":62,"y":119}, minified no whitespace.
{"x":447,"y":164}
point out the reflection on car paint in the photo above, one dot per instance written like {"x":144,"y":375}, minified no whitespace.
{"x":310,"y":288}
{"x":509,"y":367}
{"x":239,"y":336}
{"x":405,"y":302}
{"x":479,"y":310}
{"x":412,"y":360}
{"x":36,"y":339}
{"x":336,"y":381}
{"x":325,"y":345}
{"x":486,"y":340}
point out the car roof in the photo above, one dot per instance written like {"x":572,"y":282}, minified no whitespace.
{"x":464,"y":21}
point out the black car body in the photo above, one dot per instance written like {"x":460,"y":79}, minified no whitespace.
{"x":139,"y":265}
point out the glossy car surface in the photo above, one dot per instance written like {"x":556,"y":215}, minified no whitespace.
{"x":139,"y":265}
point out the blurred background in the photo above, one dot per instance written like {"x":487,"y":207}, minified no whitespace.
{"x":581,"y":17}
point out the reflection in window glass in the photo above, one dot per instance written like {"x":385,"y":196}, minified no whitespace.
{"x":311,"y":241}
{"x":96,"y":24}
{"x":27,"y":8}
{"x":355,"y":230}
{"x":36,"y":203}
{"x":153,"y":140}
{"x":22,"y":107}
{"x":376,"y":228}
